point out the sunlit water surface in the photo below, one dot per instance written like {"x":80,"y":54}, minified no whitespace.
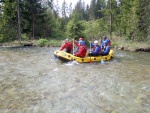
{"x":32,"y":81}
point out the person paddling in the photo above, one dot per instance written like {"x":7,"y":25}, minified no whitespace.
{"x":77,"y":43}
{"x":105,"y":49}
{"x":82,"y":49}
{"x":105,"y":40}
{"x":95,"y":49}
{"x":67,"y":45}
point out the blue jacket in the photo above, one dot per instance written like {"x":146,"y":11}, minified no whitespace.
{"x":95,"y":49}
{"x":107,"y":41}
{"x":106,"y":50}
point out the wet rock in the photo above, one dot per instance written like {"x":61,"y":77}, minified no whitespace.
{"x":121,"y":48}
{"x":132,"y":49}
{"x":143,"y":49}
{"x":28,"y":44}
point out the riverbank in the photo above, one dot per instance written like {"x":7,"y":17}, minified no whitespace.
{"x":132,"y":46}
{"x":120,"y":45}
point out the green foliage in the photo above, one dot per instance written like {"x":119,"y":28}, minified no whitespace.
{"x":75,"y":28}
{"x":96,"y":29}
{"x":24,"y":37}
{"x":54,"y":42}
{"x":113,"y":44}
{"x":1,"y":38}
{"x":45,"y":43}
{"x":8,"y":21}
{"x":42,"y":42}
{"x":129,"y":19}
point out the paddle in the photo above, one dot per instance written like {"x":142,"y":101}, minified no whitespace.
{"x":102,"y":61}
{"x":73,"y":62}
{"x":73,"y":50}
{"x":90,"y":53}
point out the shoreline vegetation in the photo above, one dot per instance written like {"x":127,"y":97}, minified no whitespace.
{"x":119,"y":44}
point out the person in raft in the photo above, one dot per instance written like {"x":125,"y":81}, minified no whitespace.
{"x":82,"y":49}
{"x":67,"y":45}
{"x":105,"y":40}
{"x":77,"y":44}
{"x":105,"y":50}
{"x":95,"y":49}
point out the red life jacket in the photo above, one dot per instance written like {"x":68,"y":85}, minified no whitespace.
{"x":82,"y":51}
{"x":67,"y":45}
{"x":109,"y":42}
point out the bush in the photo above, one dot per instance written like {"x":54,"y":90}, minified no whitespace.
{"x":42,"y":42}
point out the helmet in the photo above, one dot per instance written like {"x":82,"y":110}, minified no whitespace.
{"x":80,"y":38}
{"x":67,"y":39}
{"x":105,"y":43}
{"x":82,"y":42}
{"x":95,"y":42}
{"x":104,"y":37}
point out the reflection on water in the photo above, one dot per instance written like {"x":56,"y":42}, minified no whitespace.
{"x":32,"y":81}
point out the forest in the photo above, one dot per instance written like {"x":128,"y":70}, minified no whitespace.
{"x":45,"y":19}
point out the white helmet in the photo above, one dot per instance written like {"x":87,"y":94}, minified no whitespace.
{"x":67,"y":39}
{"x":95,"y":42}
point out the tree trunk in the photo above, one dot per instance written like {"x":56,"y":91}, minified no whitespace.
{"x":19,"y":28}
{"x":110,"y":32}
{"x":32,"y":26}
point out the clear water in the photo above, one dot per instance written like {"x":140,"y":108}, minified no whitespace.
{"x":32,"y":81}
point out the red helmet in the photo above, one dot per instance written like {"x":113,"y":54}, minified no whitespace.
{"x":80,"y":38}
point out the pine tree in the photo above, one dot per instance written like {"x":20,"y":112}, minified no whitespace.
{"x":92,"y":10}
{"x":34,"y":18}
{"x":143,"y":11}
{"x":79,"y":10}
{"x":8,"y":24}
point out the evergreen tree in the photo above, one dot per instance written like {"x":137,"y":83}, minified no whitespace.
{"x":8,"y":21}
{"x":87,"y":13}
{"x":34,"y":18}
{"x":98,"y":13}
{"x":79,"y":10}
{"x":70,"y":10}
{"x":129,"y":18}
{"x":143,"y":11}
{"x":75,"y":28}
{"x":92,"y":10}
{"x":64,"y":9}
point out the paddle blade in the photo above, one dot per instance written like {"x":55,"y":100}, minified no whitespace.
{"x":55,"y":58}
{"x":90,"y":61}
{"x":102,"y":61}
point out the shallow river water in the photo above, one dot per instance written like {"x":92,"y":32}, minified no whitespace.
{"x":32,"y":81}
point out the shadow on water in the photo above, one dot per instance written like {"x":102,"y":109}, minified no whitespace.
{"x":33,"y":81}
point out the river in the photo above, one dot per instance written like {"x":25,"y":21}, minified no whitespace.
{"x":32,"y":81}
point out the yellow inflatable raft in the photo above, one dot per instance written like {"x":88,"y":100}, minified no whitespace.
{"x":64,"y":56}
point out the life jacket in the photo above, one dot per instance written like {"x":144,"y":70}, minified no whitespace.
{"x":67,"y":45}
{"x":82,"y":51}
{"x":96,"y":52}
{"x":106,"y":50}
{"x":109,"y":43}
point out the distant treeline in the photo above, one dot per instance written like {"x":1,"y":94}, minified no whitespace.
{"x":129,"y":19}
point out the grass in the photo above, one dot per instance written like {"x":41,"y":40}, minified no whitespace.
{"x":120,"y":42}
{"x":41,"y":43}
{"x":115,"y":42}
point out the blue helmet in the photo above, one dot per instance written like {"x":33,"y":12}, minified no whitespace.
{"x":81,"y":42}
{"x":105,"y":43}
